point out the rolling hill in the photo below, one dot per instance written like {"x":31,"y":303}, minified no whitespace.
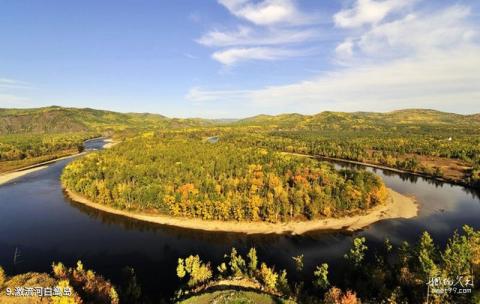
{"x":56,"y":119}
{"x":409,"y":118}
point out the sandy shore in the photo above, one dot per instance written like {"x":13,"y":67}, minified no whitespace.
{"x":398,"y":206}
{"x":110,"y":143}
{"x":6,"y":177}
{"x":13,"y":175}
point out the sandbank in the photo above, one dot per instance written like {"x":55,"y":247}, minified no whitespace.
{"x":397,"y":206}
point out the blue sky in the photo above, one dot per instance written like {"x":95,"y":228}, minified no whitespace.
{"x":237,"y":58}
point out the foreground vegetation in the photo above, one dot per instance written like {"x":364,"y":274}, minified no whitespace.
{"x":66,"y":285}
{"x":235,"y":296}
{"x":409,"y":273}
{"x":181,"y":175}
{"x":404,"y":274}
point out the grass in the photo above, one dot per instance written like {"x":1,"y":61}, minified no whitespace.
{"x":235,"y":297}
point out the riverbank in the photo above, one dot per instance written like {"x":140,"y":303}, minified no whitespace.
{"x":382,"y":167}
{"x":110,"y":143}
{"x":398,"y":206}
{"x":8,"y":176}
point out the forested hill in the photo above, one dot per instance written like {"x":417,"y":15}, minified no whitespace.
{"x":364,"y":120}
{"x":65,"y":120}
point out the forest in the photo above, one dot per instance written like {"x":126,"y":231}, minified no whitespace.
{"x":20,"y":150}
{"x":408,"y":273}
{"x":431,"y":152}
{"x":433,"y":143}
{"x":183,"y":174}
{"x":31,"y":136}
{"x":441,"y":145}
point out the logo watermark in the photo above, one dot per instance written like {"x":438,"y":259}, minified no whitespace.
{"x":462,"y":284}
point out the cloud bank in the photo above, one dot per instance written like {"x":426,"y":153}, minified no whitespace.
{"x":262,"y":24}
{"x":392,"y":56}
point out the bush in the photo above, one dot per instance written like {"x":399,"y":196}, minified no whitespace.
{"x":2,"y":277}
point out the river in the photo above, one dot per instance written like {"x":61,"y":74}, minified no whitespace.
{"x":41,"y":225}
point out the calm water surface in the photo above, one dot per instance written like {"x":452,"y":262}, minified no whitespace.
{"x":40,"y":223}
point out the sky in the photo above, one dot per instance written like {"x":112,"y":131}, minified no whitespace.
{"x":239,"y":58}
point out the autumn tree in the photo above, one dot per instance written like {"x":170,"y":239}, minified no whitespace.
{"x":2,"y":277}
{"x":269,"y":277}
{"x":197,"y":271}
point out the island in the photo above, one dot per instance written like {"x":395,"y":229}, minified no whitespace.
{"x":186,"y":181}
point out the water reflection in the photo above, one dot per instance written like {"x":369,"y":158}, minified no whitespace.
{"x":406,"y":177}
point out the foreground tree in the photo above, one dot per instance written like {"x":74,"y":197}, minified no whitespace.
{"x":197,"y":271}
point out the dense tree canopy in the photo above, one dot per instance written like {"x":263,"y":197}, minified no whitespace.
{"x":182,"y":175}
{"x":20,"y":150}
{"x":440,"y":152}
{"x":433,"y":143}
{"x":22,"y":146}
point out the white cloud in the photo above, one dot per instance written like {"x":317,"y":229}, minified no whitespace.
{"x":190,"y":56}
{"x":244,"y":36}
{"x":345,"y":49}
{"x":266,"y":12}
{"x":445,"y":29}
{"x":197,"y":94}
{"x":8,"y":96}
{"x":419,"y":59}
{"x":6,"y":83}
{"x":9,"y":100}
{"x":409,"y":36}
{"x":368,"y":12}
{"x":272,"y":23}
{"x":417,"y":82}
{"x":235,"y":55}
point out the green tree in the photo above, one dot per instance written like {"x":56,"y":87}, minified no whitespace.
{"x":357,"y":254}
{"x":321,"y":276}
{"x":237,"y":264}
{"x":282,"y":283}
{"x":427,"y":256}
{"x":252,"y":260}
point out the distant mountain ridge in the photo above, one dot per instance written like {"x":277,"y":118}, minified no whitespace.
{"x":329,"y":119}
{"x":57,"y":119}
